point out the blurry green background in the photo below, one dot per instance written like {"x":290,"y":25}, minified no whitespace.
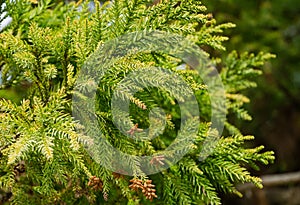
{"x":271,"y":26}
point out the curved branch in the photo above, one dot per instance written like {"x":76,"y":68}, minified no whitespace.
{"x":274,"y":180}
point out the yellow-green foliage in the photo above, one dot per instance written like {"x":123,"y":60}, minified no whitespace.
{"x":46,"y":45}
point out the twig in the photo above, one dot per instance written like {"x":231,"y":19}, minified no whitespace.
{"x":274,"y":180}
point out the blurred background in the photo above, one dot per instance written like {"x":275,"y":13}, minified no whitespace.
{"x":270,"y":26}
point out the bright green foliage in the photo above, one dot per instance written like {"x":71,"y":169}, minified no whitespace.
{"x":48,"y":43}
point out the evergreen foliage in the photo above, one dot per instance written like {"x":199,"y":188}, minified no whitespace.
{"x":43,"y":160}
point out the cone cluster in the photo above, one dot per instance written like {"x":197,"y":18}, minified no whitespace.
{"x":117,"y":175}
{"x":95,"y":183}
{"x":19,"y":170}
{"x":105,"y":196}
{"x":146,"y":186}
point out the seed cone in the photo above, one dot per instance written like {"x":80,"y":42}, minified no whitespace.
{"x":95,"y":183}
{"x":148,"y":189}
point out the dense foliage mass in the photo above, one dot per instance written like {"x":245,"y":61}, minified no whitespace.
{"x":43,"y":160}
